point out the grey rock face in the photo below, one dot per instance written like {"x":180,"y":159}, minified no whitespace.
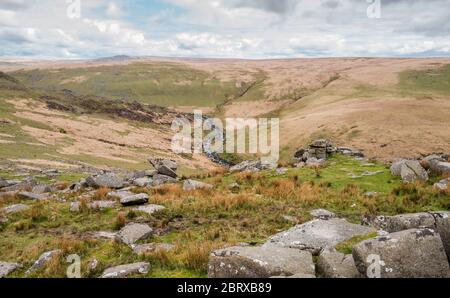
{"x":333,"y":264}
{"x":259,"y":262}
{"x":159,"y":180}
{"x":133,"y":232}
{"x":316,"y":235}
{"x":425,"y":162}
{"x":122,"y":194}
{"x":13,"y":209}
{"x":190,"y":184}
{"x":396,"y":167}
{"x":416,"y":253}
{"x":412,"y":171}
{"x":24,"y":195}
{"x":109,"y":180}
{"x":152,"y":248}
{"x":136,"y":199}
{"x":123,"y":271}
{"x":322,"y":214}
{"x":165,"y":166}
{"x":42,"y":188}
{"x":43,"y":260}
{"x":403,"y":222}
{"x":19,"y":186}
{"x":8,"y":268}
{"x":150,"y":209}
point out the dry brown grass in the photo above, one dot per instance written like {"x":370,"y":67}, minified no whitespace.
{"x":101,"y":194}
{"x":196,"y":254}
{"x":120,"y":220}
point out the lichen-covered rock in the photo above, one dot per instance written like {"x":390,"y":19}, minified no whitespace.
{"x":443,"y":228}
{"x":259,"y":262}
{"x":318,"y":234}
{"x":396,"y":167}
{"x":403,"y":222}
{"x":415,"y":253}
{"x":322,"y":214}
{"x":412,"y":171}
{"x":123,"y":271}
{"x":190,"y":184}
{"x":8,"y":268}
{"x":333,"y":264}
{"x":43,"y":260}
{"x":109,"y":180}
{"x":132,"y":233}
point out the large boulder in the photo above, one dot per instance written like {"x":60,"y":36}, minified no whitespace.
{"x":259,"y":262}
{"x":440,"y":167}
{"x":412,"y":171}
{"x":443,"y":228}
{"x":109,"y":180}
{"x":123,"y":271}
{"x":333,"y":264}
{"x":396,"y":167}
{"x":415,"y":253}
{"x":132,"y":233}
{"x":402,"y":222}
{"x":318,"y":234}
{"x":43,"y":260}
{"x":194,"y":185}
{"x":165,"y":167}
{"x":8,"y":268}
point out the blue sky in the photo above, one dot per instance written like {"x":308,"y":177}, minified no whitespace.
{"x":224,"y":28}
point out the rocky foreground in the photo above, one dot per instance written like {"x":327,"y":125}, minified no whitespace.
{"x":404,"y":245}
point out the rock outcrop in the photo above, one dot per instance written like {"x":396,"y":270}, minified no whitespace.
{"x":132,"y":233}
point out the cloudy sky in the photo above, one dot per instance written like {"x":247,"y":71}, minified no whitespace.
{"x":223,"y":28}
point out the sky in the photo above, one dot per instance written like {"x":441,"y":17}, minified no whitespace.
{"x":255,"y":29}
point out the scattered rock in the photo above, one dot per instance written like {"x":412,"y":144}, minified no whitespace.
{"x":13,"y":209}
{"x":396,"y":167}
{"x":43,"y":260}
{"x":93,"y":264}
{"x":314,"y":162}
{"x":333,"y":264}
{"x":159,"y":180}
{"x":371,"y":194}
{"x":412,"y":171}
{"x":150,"y":209}
{"x":318,"y":234}
{"x":42,"y":188}
{"x":143,"y":182}
{"x":234,"y":187}
{"x":190,"y":184}
{"x":21,"y":186}
{"x":426,"y":161}
{"x":322,"y":214}
{"x":8,"y":183}
{"x":8,"y":268}
{"x":252,"y":166}
{"x":281,"y":171}
{"x":102,"y":235}
{"x":96,"y":205}
{"x":122,"y":194}
{"x":126,"y":270}
{"x":416,"y":253}
{"x":24,"y":195}
{"x":444,"y":184}
{"x":259,"y":262}
{"x":165,"y":167}
{"x":440,"y":167}
{"x":135,"y":199}
{"x":109,"y":180}
{"x":152,"y":248}
{"x":133,"y":232}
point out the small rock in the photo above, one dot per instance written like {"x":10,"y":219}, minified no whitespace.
{"x":143,"y":182}
{"x":440,"y":167}
{"x":93,"y":264}
{"x":159,"y":180}
{"x":371,"y":194}
{"x":136,"y":199}
{"x":314,"y":162}
{"x":190,"y":184}
{"x":290,"y":219}
{"x":234,"y":187}
{"x":333,"y":264}
{"x":126,"y":270}
{"x":43,"y":260}
{"x":13,"y":209}
{"x":132,"y":233}
{"x":42,"y":188}
{"x":24,"y":195}
{"x":119,"y":194}
{"x":444,"y":184}
{"x":152,"y":248}
{"x":281,"y":171}
{"x":100,"y":205}
{"x":102,"y":235}
{"x":8,"y":268}
{"x":322,"y":214}
{"x":150,"y":209}
{"x":259,"y":262}
{"x":165,"y":167}
{"x":416,"y":253}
